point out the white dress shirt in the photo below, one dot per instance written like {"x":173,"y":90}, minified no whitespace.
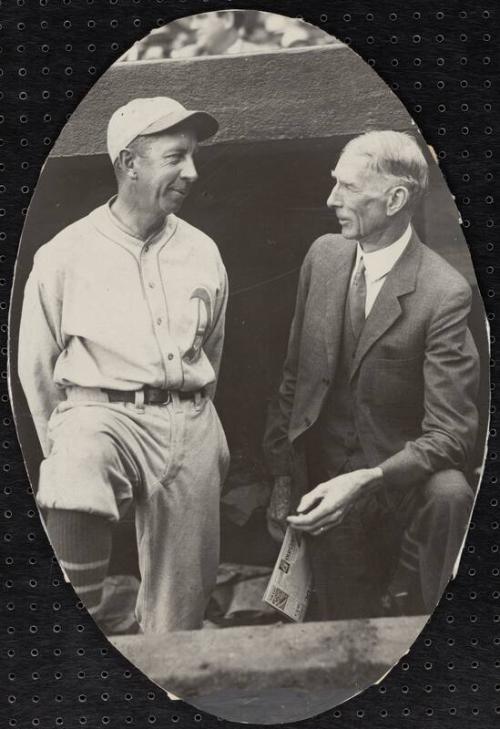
{"x":377,"y":266}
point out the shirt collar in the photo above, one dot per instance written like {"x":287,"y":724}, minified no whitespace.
{"x":115,"y":223}
{"x":379,"y":263}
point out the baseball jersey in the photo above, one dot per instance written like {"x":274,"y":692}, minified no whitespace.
{"x":105,"y":309}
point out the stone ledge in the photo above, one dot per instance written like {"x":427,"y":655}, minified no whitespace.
{"x":227,"y":671}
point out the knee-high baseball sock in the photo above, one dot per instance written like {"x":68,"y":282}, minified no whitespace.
{"x":82,"y":543}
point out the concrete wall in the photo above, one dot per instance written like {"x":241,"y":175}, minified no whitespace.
{"x":298,"y":94}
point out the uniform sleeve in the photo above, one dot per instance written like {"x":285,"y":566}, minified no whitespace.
{"x":276,"y":443}
{"x":40,"y":344}
{"x":214,"y":342}
{"x":451,"y":376}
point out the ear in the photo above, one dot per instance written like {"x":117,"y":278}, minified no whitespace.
{"x":128,"y":163}
{"x":398,"y":197}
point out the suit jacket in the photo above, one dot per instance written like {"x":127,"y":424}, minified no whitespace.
{"x":414,"y":377}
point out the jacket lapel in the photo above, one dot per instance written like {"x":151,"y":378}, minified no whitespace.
{"x":387,"y":308}
{"x":337,"y":284}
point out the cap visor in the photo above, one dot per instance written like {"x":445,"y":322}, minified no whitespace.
{"x":204,"y":124}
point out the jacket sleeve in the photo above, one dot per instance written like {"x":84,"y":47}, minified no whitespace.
{"x":451,"y":377}
{"x":276,"y":443}
{"x":214,"y":342}
{"x":40,"y":344}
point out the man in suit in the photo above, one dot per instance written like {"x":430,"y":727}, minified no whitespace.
{"x":375,"y":420}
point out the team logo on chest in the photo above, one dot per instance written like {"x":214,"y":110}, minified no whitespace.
{"x":203,"y":317}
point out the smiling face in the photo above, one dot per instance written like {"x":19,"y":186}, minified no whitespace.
{"x":164,"y":171}
{"x":359,"y":197}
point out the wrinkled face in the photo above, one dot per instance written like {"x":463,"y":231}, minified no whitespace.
{"x":165,"y":171}
{"x":211,"y":29}
{"x":359,"y":198}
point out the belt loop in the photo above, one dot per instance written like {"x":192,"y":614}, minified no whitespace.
{"x":139,"y":400}
{"x":176,"y":401}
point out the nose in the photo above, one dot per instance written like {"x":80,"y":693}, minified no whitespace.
{"x":334,"y":198}
{"x":189,"y":171}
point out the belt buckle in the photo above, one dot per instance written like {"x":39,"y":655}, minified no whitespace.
{"x":157,"y":400}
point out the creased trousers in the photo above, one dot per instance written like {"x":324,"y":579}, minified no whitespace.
{"x":389,"y":538}
{"x":171,"y":461}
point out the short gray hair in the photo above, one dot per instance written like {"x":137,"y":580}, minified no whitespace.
{"x":394,"y":154}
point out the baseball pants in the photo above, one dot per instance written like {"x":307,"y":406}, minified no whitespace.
{"x":170,"y":460}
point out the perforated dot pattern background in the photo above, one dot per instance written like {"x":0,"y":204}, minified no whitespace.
{"x":441,"y":58}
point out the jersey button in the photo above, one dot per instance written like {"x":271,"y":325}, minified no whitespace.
{"x":170,"y":356}
{"x":151,"y":285}
{"x":146,"y":249}
{"x":159,"y":320}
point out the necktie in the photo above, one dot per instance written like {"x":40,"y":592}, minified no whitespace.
{"x":357,"y":300}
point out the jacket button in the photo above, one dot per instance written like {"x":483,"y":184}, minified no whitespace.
{"x":307,"y":422}
{"x":326,"y":381}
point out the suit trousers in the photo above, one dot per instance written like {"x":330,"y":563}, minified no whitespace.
{"x":398,"y":540}
{"x":170,"y":460}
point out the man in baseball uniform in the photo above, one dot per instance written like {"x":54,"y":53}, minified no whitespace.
{"x":119,"y":350}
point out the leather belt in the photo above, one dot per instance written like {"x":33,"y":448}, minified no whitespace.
{"x":151,"y":395}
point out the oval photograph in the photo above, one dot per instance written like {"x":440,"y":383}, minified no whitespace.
{"x":249,"y":366}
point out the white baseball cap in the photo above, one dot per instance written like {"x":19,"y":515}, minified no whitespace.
{"x":150,"y":115}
